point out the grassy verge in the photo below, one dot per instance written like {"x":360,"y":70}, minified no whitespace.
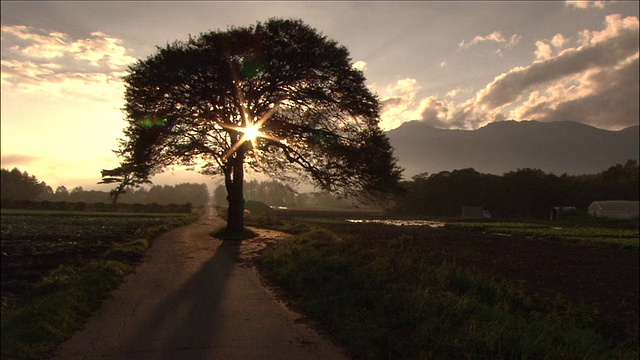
{"x":381,"y":300}
{"x":47,"y":315}
{"x":601,"y":236}
{"x":53,"y":310}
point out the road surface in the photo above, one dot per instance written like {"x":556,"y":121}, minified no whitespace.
{"x":191,"y":298}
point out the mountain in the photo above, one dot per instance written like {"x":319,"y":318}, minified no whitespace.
{"x":556,"y":147}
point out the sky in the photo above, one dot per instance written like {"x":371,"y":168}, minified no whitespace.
{"x":453,"y":65}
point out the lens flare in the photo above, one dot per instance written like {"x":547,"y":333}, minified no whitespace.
{"x":152,"y":122}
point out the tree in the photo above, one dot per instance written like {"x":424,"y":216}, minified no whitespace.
{"x":62,"y":191}
{"x":18,"y":185}
{"x":125,"y":176}
{"x":277,"y":97}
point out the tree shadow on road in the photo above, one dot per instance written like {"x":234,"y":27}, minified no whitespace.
{"x":185,"y":323}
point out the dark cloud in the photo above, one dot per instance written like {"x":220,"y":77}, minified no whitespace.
{"x":613,"y":103}
{"x":390,"y":102}
{"x":608,"y":48}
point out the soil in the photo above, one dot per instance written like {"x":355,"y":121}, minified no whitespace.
{"x":606,"y":278}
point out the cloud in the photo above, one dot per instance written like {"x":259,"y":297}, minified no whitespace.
{"x":544,"y":50}
{"x":54,"y":64}
{"x":604,"y":98}
{"x":17,"y":160}
{"x":399,"y":102}
{"x":455,"y":92}
{"x":99,"y":49}
{"x":436,"y":112}
{"x":559,"y":40}
{"x":600,"y":4}
{"x":495,"y":36}
{"x":401,"y":105}
{"x":593,"y":79}
{"x":360,"y":65}
{"x":616,"y":43}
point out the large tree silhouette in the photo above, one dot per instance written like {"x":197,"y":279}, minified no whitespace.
{"x":278,"y":97}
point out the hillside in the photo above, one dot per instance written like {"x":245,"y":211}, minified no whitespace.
{"x":558,"y":147}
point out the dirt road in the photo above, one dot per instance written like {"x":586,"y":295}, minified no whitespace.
{"x":191,"y":299}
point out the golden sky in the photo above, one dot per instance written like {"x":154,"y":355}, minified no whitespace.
{"x":451,"y":65}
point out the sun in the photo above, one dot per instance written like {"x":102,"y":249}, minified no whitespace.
{"x":251,"y":132}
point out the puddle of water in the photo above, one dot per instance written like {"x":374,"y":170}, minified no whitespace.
{"x":433,"y":224}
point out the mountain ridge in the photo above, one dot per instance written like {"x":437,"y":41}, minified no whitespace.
{"x":562,"y":147}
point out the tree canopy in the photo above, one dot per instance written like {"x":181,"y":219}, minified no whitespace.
{"x":19,"y":185}
{"x":277,"y":96}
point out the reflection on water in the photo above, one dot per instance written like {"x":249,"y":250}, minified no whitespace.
{"x":401,"y":222}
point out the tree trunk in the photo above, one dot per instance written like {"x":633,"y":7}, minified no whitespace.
{"x":115,"y":194}
{"x":234,"y":180}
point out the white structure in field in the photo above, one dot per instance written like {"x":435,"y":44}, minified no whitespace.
{"x":614,"y":209}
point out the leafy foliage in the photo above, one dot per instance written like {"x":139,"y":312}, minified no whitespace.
{"x":193,"y":102}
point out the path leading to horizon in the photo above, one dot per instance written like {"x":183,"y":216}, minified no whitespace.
{"x":191,"y":299}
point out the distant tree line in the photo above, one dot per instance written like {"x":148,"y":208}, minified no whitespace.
{"x":20,"y":186}
{"x":82,"y":206}
{"x":277,"y":194}
{"x":523,"y":193}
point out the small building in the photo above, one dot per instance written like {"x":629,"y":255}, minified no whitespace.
{"x":475,"y":212}
{"x":615,"y":209}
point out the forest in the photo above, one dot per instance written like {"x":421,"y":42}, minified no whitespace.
{"x":524,"y":193}
{"x":17,"y":185}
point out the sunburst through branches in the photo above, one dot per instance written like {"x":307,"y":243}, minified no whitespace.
{"x":251,"y":131}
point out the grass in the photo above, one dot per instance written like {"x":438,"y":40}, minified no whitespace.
{"x":49,"y":313}
{"x":382,"y":300}
{"x":601,"y":236}
{"x":274,"y":223}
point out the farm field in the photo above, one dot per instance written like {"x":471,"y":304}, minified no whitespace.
{"x":599,"y":236}
{"x":34,"y":243}
{"x":468,"y":283}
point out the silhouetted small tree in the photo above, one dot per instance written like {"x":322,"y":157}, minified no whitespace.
{"x":125,"y":176}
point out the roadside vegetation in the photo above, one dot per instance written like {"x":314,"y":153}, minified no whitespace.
{"x":58,"y":267}
{"x":420,"y":293}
